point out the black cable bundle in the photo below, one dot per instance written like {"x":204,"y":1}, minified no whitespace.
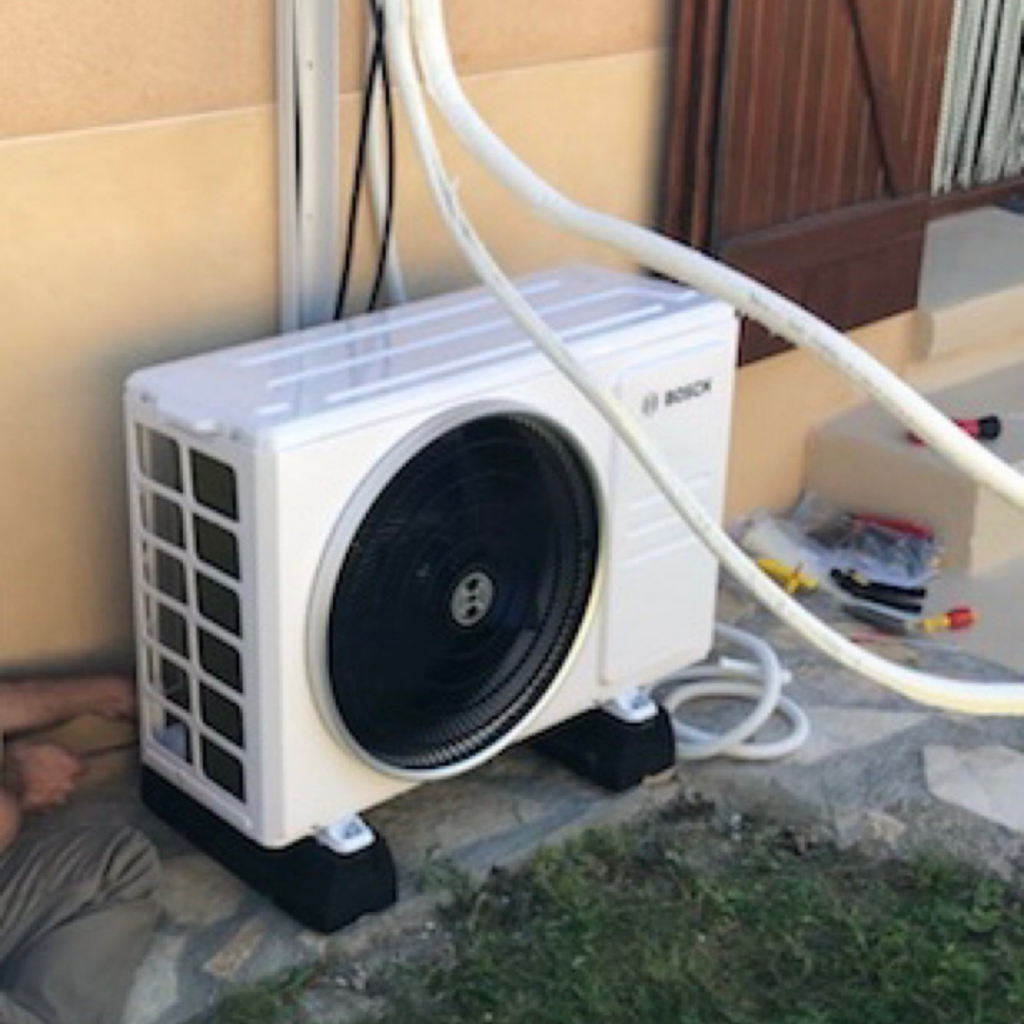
{"x":376,"y":76}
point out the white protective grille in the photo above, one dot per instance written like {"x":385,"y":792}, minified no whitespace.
{"x":188,"y":589}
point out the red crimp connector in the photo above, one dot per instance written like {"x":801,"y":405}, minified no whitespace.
{"x":984,"y":428}
{"x":961,"y":618}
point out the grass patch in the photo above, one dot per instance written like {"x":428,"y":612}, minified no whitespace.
{"x":674,"y":924}
{"x":273,"y":1002}
{"x":686,"y":922}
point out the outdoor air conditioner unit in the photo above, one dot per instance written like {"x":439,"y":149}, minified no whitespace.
{"x":375,"y":553}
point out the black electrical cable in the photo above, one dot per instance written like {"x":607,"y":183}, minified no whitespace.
{"x":389,"y":120}
{"x":375,"y":71}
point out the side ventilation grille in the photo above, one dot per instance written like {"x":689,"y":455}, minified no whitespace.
{"x":192,"y":663}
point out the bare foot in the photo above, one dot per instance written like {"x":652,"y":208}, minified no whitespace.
{"x":44,"y":774}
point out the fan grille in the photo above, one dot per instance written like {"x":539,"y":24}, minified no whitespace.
{"x":462,"y":592}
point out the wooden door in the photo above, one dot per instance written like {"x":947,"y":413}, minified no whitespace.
{"x":803,"y":141}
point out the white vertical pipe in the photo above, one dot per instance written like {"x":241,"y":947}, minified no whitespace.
{"x":993,"y":149}
{"x":981,"y":136}
{"x":945,"y":146}
{"x":1015,"y":163}
{"x":983,"y":70}
{"x":967,"y":71}
{"x":316,"y":39}
{"x":287,"y":171}
{"x":308,"y":131}
{"x":998,"y":146}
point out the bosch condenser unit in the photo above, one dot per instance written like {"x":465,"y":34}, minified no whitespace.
{"x":375,"y":553}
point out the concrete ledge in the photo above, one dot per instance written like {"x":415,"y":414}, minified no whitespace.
{"x":972,"y":282}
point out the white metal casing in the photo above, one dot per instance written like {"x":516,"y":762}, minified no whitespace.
{"x":303,"y":431}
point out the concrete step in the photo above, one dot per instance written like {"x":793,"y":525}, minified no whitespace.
{"x":972,"y":282}
{"x":862,"y":460}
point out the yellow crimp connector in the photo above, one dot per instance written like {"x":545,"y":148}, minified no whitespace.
{"x":791,"y":579}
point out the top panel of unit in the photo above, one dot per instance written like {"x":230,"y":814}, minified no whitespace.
{"x":255,"y":389}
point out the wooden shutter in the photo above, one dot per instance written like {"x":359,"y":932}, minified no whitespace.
{"x":803,"y":141}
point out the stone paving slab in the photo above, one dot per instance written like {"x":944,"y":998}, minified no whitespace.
{"x":879,"y":772}
{"x":985,"y":781}
{"x":217,"y":934}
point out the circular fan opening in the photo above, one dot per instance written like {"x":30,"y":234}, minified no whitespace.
{"x":462,"y":592}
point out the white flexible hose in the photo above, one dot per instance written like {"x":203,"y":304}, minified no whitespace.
{"x":780,"y":315}
{"x":676,"y":261}
{"x":759,"y":682}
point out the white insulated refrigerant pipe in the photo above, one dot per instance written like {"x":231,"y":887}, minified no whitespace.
{"x":422,"y":21}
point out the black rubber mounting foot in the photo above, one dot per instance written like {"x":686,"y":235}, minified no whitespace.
{"x":319,"y":888}
{"x":615,"y":754}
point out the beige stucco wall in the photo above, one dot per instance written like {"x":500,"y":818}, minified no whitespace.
{"x":137,"y":222}
{"x":780,"y":400}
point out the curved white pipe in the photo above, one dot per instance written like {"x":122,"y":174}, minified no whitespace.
{"x":953,"y":694}
{"x":778,"y":314}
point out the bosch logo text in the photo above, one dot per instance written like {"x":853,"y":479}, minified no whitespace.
{"x":687,"y":392}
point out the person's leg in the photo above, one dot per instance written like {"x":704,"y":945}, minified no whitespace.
{"x":12,"y":1013}
{"x":76,"y":913}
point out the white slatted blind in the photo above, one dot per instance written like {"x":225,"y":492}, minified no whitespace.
{"x":981,"y":135}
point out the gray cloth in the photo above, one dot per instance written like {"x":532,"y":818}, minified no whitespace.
{"x":77,"y":910}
